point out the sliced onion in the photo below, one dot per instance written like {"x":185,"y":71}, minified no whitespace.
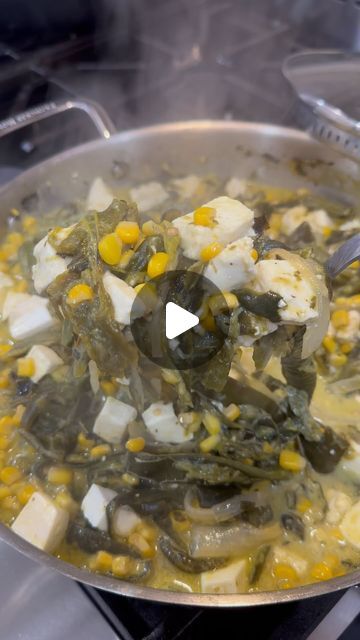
{"x":224,"y":541}
{"x":94,"y":376}
{"x":220,"y":512}
{"x":316,"y":328}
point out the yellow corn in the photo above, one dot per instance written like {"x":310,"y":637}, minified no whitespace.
{"x":4,"y":380}
{"x":109,"y":248}
{"x":254,"y":254}
{"x":108,"y":387}
{"x":275,"y":222}
{"x":128,"y":232}
{"x":121,"y":566}
{"x":157,"y":264}
{"x":346,"y":347}
{"x":212,"y":423}
{"x":303,"y":505}
{"x":101,"y":561}
{"x":24,"y":494}
{"x":25,"y":367}
{"x":4,"y":492}
{"x":338,"y":359}
{"x":60,"y":475}
{"x":5,"y":442}
{"x":130,"y":479}
{"x":204,"y":216}
{"x":141,"y":544}
{"x":9,"y":475}
{"x":135,"y":445}
{"x":291,"y":460}
{"x":321,"y":571}
{"x":4,"y":349}
{"x":125,"y":258}
{"x":11,"y":503}
{"x":147,"y":531}
{"x":210,"y":443}
{"x":29,"y":224}
{"x":284,"y":571}
{"x":15,"y":238}
{"x":232,"y":412}
{"x":148,"y":296}
{"x":210,"y":251}
{"x":65,"y":501}
{"x":329,"y":344}
{"x":21,"y":286}
{"x":100,"y":450}
{"x":79,"y":293}
{"x":84,"y":442}
{"x":6,"y":425}
{"x":355,"y":265}
{"x":149,"y":228}
{"x":340,"y":318}
{"x":208,"y":323}
{"x":7,"y":251}
{"x":352,"y":301}
{"x":327,"y":231}
{"x":221,"y":302}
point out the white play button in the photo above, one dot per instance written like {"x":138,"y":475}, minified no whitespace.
{"x":178,"y":320}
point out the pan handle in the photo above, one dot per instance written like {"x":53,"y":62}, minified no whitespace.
{"x":96,"y":113}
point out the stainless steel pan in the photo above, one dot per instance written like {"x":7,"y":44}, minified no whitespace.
{"x":277,"y":155}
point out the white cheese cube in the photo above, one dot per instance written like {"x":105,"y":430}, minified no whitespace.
{"x":12,"y":300}
{"x":125,"y":521}
{"x":99,"y":197}
{"x":235,"y":188}
{"x":350,"y":526}
{"x":230,"y":579}
{"x":48,"y":265}
{"x":186,"y":187}
{"x":282,"y":277}
{"x":122,"y":297}
{"x":42,"y":522}
{"x":233,"y":220}
{"x":5,"y":280}
{"x":94,"y":506}
{"x":113,"y":419}
{"x":45,"y":360}
{"x":233,"y":267}
{"x":163,"y":423}
{"x":29,"y":317}
{"x":283,"y":555}
{"x":338,"y":504}
{"x":148,"y":196}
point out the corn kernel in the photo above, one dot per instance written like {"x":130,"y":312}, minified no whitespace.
{"x":4,"y":492}
{"x":79,"y":293}
{"x":321,"y":571}
{"x":7,"y":251}
{"x":84,"y":442}
{"x":157,"y":264}
{"x":179,"y":520}
{"x":121,"y":566}
{"x":210,"y":251}
{"x":141,"y":544}
{"x":254,"y":254}
{"x":128,"y":231}
{"x":149,"y":228}
{"x":223,"y":302}
{"x":11,"y":503}
{"x":15,"y":238}
{"x":208,"y":323}
{"x":110,"y":247}
{"x":147,"y":531}
{"x":101,"y":561}
{"x":232,"y":412}
{"x":108,"y":387}
{"x":5,"y":442}
{"x":4,"y":381}
{"x":65,"y":501}
{"x":275,"y":222}
{"x":329,"y":344}
{"x":204,"y":216}
{"x":6,"y":425}
{"x":303,"y":505}
{"x":338,"y":359}
{"x":327,"y":231}
{"x":291,"y":460}
{"x":100,"y":450}
{"x":9,"y":475}
{"x":355,"y":265}
{"x":29,"y":224}
{"x":352,"y":301}
{"x":340,"y":318}
{"x":21,"y":286}
{"x":60,"y":475}
{"x":284,"y":571}
{"x":135,"y":445}
{"x":25,"y":367}
{"x":130,"y":479}
{"x":4,"y":349}
{"x":212,"y":423}
{"x":125,"y":258}
{"x":346,"y":347}
{"x":24,"y":494}
{"x":210,"y":443}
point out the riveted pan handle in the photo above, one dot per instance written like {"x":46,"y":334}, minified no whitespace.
{"x":96,"y":113}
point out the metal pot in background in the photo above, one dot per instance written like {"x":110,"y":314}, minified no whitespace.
{"x":271,"y":154}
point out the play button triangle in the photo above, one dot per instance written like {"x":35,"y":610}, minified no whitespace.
{"x":178,"y":320}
